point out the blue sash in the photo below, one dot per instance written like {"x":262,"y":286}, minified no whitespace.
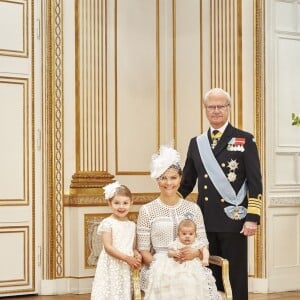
{"x":220,"y":181}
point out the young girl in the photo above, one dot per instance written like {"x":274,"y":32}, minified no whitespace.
{"x":113,"y":274}
{"x":171,"y":278}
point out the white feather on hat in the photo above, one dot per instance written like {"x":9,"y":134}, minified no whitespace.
{"x":163,"y":160}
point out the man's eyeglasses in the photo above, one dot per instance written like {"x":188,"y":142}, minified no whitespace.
{"x":211,"y":108}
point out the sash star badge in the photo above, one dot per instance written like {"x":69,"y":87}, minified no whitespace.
{"x":233,"y":165}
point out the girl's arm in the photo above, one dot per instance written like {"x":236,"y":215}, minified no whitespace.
{"x":112,"y":251}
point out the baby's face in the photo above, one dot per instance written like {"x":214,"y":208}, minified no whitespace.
{"x":187,"y":235}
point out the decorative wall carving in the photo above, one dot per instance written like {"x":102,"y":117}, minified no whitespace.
{"x":93,"y":245}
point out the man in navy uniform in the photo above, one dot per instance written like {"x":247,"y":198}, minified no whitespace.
{"x":225,"y":162}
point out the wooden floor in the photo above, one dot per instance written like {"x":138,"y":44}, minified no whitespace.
{"x":277,"y":296}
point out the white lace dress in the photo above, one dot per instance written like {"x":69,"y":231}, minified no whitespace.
{"x":157,"y":227}
{"x":169,"y":279}
{"x":113,"y":277}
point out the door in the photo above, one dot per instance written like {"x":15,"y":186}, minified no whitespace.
{"x":18,"y":197}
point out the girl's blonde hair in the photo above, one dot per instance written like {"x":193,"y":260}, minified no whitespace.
{"x":123,"y":190}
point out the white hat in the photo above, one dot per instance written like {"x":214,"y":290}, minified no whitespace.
{"x":163,"y":160}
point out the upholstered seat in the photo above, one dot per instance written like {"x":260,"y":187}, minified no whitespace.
{"x":216,"y":260}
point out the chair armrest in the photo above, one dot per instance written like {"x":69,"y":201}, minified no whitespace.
{"x":224,"y":264}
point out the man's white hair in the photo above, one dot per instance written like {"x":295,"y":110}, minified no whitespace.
{"x":217,"y":91}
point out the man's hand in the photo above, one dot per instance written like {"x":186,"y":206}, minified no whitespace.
{"x":249,"y":228}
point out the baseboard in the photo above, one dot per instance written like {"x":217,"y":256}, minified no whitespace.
{"x":258,"y":285}
{"x":66,"y":286}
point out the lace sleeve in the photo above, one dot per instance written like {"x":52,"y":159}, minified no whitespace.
{"x":143,"y":230}
{"x":201,"y":233}
{"x":105,"y":225}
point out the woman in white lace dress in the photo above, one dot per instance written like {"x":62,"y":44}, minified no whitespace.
{"x":157,"y":227}
{"x":113,"y":273}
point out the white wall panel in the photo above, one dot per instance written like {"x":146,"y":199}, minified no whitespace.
{"x":13,"y":27}
{"x":284,"y":245}
{"x":286,"y":169}
{"x":286,"y":15}
{"x":14,"y":259}
{"x":283,"y":223}
{"x":188,"y":62}
{"x":136,"y":90}
{"x":288,"y":92}
{"x":13,"y":101}
{"x":282,"y":145}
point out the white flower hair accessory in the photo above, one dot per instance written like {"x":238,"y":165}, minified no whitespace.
{"x":163,"y":160}
{"x":110,"y":190}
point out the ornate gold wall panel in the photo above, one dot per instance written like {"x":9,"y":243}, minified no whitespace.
{"x":130,"y":112}
{"x":93,"y":200}
{"x":54,"y":141}
{"x":91,"y":98}
{"x":260,"y":134}
{"x":226,"y":51}
{"x":92,"y":243}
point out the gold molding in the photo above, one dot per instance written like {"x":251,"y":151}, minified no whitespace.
{"x":259,"y":131}
{"x":98,"y":200}
{"x":227,"y":52}
{"x":54,"y":139}
{"x":91,"y":98}
{"x":174,"y":73}
{"x":91,"y":86}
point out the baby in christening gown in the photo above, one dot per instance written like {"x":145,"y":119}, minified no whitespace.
{"x":171,"y":278}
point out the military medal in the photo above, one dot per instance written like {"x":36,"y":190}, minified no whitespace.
{"x":236,"y":144}
{"x":231,"y":176}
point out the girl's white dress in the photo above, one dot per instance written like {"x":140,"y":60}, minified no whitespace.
{"x":157,"y":227}
{"x":169,"y":279}
{"x":113,"y":277}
